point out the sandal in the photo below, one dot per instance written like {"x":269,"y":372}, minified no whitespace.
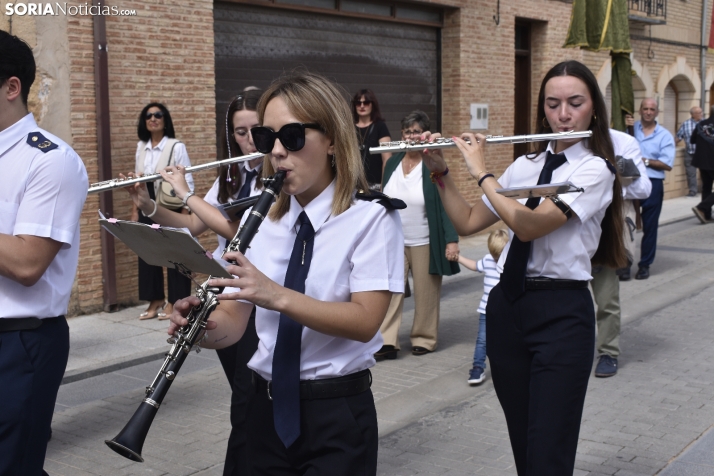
{"x":148,"y":315}
{"x":151,"y":313}
{"x":163,"y":313}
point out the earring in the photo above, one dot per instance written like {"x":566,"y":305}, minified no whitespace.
{"x":594,"y":117}
{"x":333,"y":161}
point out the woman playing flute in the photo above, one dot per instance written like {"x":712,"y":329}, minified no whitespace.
{"x":540,"y":317}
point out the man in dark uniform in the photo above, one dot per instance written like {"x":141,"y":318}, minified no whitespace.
{"x":703,"y":137}
{"x":43,"y":186}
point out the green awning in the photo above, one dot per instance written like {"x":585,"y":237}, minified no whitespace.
{"x":598,"y":25}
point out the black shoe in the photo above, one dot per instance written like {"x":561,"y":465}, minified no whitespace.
{"x":606,"y":366}
{"x":642,"y":273}
{"x":387,"y":352}
{"x":420,"y":351}
{"x":700,"y":215}
{"x":624,"y":274}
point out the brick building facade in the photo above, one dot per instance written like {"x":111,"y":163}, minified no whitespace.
{"x":166,"y":53}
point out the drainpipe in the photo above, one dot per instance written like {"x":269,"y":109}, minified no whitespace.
{"x":703,"y":55}
{"x":106,"y":204}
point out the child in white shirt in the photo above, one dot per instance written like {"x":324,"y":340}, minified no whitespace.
{"x":496,"y":242}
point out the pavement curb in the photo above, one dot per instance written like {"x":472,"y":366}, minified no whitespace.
{"x":111,"y":366}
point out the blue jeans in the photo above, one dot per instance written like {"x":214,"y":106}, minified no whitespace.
{"x":480,"y":351}
{"x":651,"y":208}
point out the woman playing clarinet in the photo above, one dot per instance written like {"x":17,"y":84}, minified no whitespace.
{"x":320,"y":274}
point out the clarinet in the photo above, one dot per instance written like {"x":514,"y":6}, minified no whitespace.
{"x":130,"y":441}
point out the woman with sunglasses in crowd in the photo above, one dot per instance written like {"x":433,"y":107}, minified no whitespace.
{"x":233,"y":182}
{"x":540,"y":317}
{"x":371,"y":130}
{"x":341,"y":259}
{"x":157,"y":148}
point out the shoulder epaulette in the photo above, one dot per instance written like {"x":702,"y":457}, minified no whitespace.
{"x":37,"y":140}
{"x":385,"y":200}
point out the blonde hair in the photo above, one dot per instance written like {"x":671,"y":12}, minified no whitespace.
{"x":314,"y":98}
{"x":496,"y":242}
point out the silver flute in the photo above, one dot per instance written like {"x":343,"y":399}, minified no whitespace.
{"x":445,"y":143}
{"x":125,"y":182}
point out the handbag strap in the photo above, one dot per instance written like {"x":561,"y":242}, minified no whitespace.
{"x":165,"y":158}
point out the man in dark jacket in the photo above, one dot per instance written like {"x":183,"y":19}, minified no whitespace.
{"x":703,"y":137}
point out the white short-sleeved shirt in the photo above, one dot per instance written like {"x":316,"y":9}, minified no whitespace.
{"x":566,"y":252}
{"x":41,"y":194}
{"x":487,"y":265}
{"x":151,"y":158}
{"x":361,"y":249}
{"x":627,"y":146}
{"x":212,"y":199}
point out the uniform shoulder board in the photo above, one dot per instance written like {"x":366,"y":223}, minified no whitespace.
{"x":385,"y":200}
{"x":38,"y":141}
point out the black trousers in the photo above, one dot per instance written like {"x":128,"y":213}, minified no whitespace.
{"x":32,"y":364}
{"x":234,"y":360}
{"x":151,"y":278}
{"x":338,"y":437}
{"x":707,"y":196}
{"x":541,"y":352}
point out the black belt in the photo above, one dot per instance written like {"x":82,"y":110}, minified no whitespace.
{"x":22,"y":323}
{"x":540,"y":283}
{"x":346,"y":386}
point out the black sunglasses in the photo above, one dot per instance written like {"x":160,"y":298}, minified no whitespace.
{"x":292,"y":136}
{"x":157,"y":115}
{"x":366,"y":102}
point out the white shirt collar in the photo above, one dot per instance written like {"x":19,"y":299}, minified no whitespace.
{"x":575,"y":152}
{"x":159,"y":146}
{"x":318,"y":210}
{"x":257,"y":167}
{"x":16,"y":132}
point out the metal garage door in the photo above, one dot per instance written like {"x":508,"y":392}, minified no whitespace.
{"x":399,"y":62}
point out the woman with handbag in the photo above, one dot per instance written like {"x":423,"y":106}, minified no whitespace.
{"x":235,"y":181}
{"x":157,"y":149}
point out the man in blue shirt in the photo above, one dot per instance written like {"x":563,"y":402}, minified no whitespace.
{"x":657,"y":146}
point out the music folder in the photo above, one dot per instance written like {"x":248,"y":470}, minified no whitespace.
{"x":165,"y":246}
{"x":546,"y":190}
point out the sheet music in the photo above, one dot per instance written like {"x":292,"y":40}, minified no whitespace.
{"x":165,"y":246}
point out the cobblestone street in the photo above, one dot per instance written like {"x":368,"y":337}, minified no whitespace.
{"x":431,"y":421}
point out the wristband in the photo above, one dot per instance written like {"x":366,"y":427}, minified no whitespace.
{"x":156,"y":207}
{"x":436,"y":177}
{"x":186,"y":197}
{"x":567,"y":211}
{"x":484,"y":178}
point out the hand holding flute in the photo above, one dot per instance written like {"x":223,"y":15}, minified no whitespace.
{"x":471,"y":147}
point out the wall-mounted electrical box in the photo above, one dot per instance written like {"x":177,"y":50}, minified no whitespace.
{"x":479,"y":116}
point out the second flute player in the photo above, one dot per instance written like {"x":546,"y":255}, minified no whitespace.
{"x":321,"y":274}
{"x":540,"y":317}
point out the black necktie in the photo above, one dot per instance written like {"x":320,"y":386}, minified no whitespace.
{"x":286,"y":357}
{"x":513,"y":278}
{"x":245,"y":189}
